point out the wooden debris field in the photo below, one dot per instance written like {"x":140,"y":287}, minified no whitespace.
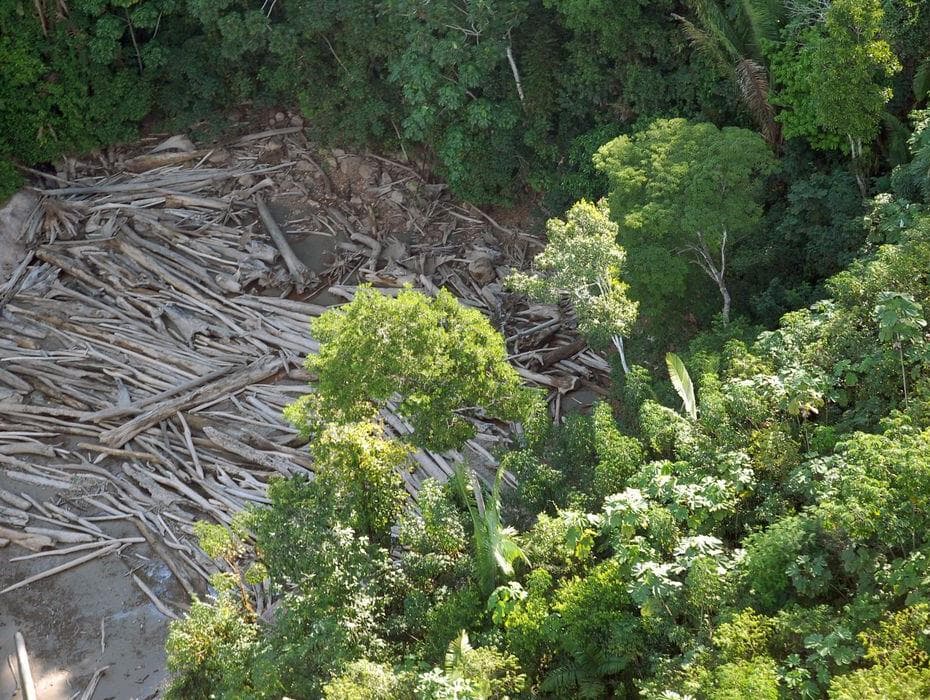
{"x":157,"y":327}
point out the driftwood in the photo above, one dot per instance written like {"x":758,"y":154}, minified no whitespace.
{"x":76,"y":548}
{"x":26,"y":683}
{"x":94,"y":680}
{"x":108,"y":549}
{"x":165,"y":557}
{"x":268,"y":461}
{"x":299,"y":272}
{"x":14,"y":500}
{"x":255,"y":372}
{"x":34,"y":543}
{"x":189,"y":385}
{"x":156,"y":601}
{"x":63,"y":536}
{"x":13,"y":516}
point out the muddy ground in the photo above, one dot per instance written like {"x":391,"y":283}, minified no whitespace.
{"x":61,"y":617}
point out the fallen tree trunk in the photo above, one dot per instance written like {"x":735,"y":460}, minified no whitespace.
{"x":255,"y":372}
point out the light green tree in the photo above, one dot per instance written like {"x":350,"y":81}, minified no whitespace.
{"x":832,"y":76}
{"x":357,"y":462}
{"x":582,"y":263}
{"x":440,"y":358}
{"x":683,"y":193}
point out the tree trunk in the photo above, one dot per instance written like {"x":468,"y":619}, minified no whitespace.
{"x":618,"y":343}
{"x":724,"y":292}
{"x":715,"y":270}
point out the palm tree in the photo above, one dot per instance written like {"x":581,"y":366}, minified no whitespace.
{"x":496,"y":548}
{"x":736,"y":46}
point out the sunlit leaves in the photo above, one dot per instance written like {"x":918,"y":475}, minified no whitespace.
{"x":583,"y":263}
{"x":440,"y":358}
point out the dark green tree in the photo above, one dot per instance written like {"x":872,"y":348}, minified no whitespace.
{"x":683,"y":194}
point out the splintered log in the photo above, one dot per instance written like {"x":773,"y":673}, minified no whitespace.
{"x":256,"y":372}
{"x":26,"y":682}
{"x":250,"y":454}
{"x":34,"y":543}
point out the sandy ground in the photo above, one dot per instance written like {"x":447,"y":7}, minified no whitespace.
{"x":60,"y":617}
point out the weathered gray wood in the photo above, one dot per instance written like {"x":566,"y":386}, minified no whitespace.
{"x":26,"y":683}
{"x":253,"y":373}
{"x":300,"y":275}
{"x":230,"y":444}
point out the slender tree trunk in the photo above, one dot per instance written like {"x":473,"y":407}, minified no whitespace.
{"x":715,"y":270}
{"x":855,"y":150}
{"x":903,"y":373}
{"x":724,"y":292}
{"x":618,"y":343}
{"x":513,"y":69}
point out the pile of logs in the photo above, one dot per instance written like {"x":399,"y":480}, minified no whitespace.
{"x":151,"y":339}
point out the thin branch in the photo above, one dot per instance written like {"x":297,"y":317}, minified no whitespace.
{"x":40,"y":10}
{"x":513,"y":68}
{"x":132,"y":35}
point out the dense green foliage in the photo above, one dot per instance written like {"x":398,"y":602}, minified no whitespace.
{"x":441,"y":359}
{"x":684,"y":195}
{"x":770,"y":540}
{"x":501,"y":94}
{"x":833,"y":75}
{"x":86,"y":73}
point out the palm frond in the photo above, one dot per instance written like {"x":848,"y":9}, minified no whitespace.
{"x":458,"y":649}
{"x":681,"y":380}
{"x":713,"y":20}
{"x":763,"y":18}
{"x":703,"y":43}
{"x":753,"y":83}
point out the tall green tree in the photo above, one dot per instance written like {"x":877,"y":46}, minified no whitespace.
{"x":684,"y":194}
{"x":442,"y":359}
{"x":461,"y":84}
{"x":582,"y":263}
{"x":832,"y":76}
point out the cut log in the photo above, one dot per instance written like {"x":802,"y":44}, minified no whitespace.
{"x":14,"y":500}
{"x":26,"y":683}
{"x":561,"y":384}
{"x":230,"y":444}
{"x":34,"y":543}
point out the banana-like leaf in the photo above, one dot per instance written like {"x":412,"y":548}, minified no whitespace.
{"x":681,"y":380}
{"x":921,"y":83}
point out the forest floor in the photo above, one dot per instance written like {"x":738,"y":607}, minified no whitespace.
{"x":150,"y":334}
